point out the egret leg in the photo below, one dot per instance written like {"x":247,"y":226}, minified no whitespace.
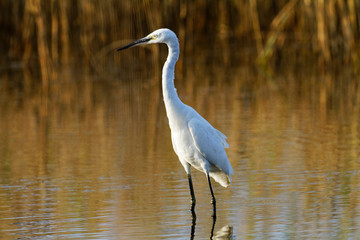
{"x":193,"y":199}
{"x":213,"y":200}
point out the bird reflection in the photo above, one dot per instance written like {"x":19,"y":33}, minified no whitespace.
{"x":213,"y":225}
{"x":193,"y":224}
{"x":224,"y":233}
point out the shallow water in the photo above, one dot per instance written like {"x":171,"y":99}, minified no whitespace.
{"x":92,"y":158}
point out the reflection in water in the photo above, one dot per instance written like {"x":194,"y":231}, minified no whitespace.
{"x":224,"y":232}
{"x":213,"y":223}
{"x":93,"y":159}
{"x":193,"y":225}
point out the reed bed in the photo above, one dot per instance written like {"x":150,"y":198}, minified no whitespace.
{"x":57,"y":33}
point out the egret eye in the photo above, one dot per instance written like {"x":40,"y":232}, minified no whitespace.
{"x":153,"y":37}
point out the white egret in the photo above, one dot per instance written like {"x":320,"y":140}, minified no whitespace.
{"x":195,"y":141}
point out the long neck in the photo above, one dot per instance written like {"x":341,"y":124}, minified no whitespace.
{"x":169,"y":91}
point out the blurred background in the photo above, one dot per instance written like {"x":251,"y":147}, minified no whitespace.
{"x":85,"y":148}
{"x":53,"y":34}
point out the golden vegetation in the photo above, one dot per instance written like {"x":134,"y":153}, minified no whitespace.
{"x":57,"y":33}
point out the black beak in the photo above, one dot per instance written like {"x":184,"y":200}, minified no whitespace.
{"x":143,"y":40}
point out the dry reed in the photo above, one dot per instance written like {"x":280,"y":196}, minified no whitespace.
{"x":63,"y":33}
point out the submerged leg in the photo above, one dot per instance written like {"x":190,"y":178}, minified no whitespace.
{"x":213,"y":200}
{"x":193,"y":224}
{"x":193,"y":199}
{"x":213,"y":227}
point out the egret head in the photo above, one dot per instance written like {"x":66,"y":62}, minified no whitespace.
{"x":162,"y":35}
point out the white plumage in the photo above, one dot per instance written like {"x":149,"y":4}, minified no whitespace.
{"x":194,"y":140}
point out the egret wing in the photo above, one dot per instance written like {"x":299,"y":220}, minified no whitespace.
{"x":209,"y":143}
{"x":223,"y":138}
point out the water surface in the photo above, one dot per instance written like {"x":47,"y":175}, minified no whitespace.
{"x":91,"y":158}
